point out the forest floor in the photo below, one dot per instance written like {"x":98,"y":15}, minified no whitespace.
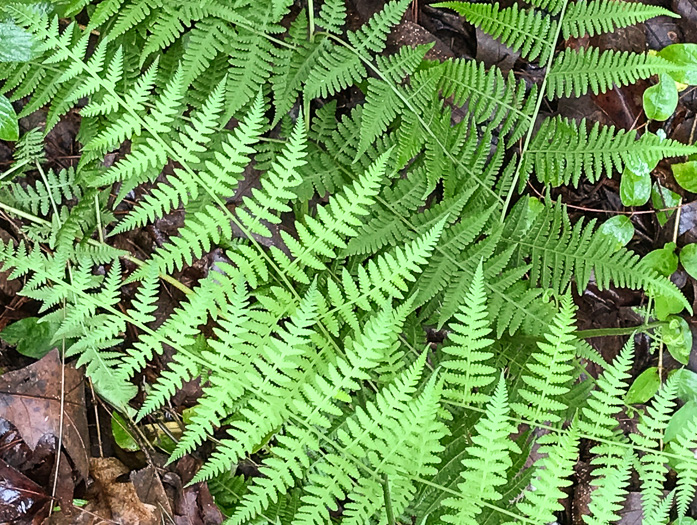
{"x":119,"y":472}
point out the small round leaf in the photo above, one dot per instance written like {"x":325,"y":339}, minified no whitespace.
{"x":635,"y":189}
{"x":619,"y":230}
{"x":688,"y":259}
{"x":661,"y":100}
{"x":686,"y":175}
{"x":644,"y":387}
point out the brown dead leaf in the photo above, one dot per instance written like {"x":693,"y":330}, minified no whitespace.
{"x":118,"y":501}
{"x":20,"y":497}
{"x":30,"y":398}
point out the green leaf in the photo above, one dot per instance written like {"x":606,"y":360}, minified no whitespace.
{"x":678,"y":339}
{"x":15,"y":43}
{"x":686,"y":175}
{"x":684,"y":56}
{"x":644,"y":387}
{"x":122,"y":436}
{"x":635,"y":188}
{"x":687,"y":383}
{"x":619,"y":230}
{"x":661,"y":100}
{"x":688,"y":259}
{"x":661,"y":198}
{"x":682,"y":417}
{"x":9,"y":126}
{"x":663,"y":260}
{"x":33,"y":339}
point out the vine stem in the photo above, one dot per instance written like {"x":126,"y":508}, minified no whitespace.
{"x":533,"y":117}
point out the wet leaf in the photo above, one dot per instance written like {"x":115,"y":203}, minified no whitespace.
{"x":686,"y":175}
{"x":682,"y":417}
{"x":678,"y":339}
{"x":688,"y":259}
{"x":122,"y":437}
{"x":15,"y":43}
{"x":635,"y":189}
{"x":33,"y":339}
{"x":684,"y":56}
{"x":20,"y":497}
{"x":661,"y":100}
{"x":687,"y":383}
{"x":9,"y":126}
{"x":644,"y":387}
{"x":663,"y":260}
{"x":618,"y":230}
{"x":661,"y":198}
{"x":30,"y":399}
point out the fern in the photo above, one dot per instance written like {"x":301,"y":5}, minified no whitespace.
{"x":526,"y":31}
{"x":329,"y":240}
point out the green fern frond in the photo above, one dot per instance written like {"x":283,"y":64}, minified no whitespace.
{"x":607,"y":399}
{"x":527,"y":31}
{"x":489,"y":96}
{"x":651,"y":466}
{"x":684,"y":445}
{"x":542,"y":498}
{"x":321,"y":237}
{"x":373,"y":35}
{"x":548,"y":374}
{"x":467,"y":370}
{"x":563,"y":150}
{"x":591,"y":17}
{"x":332,"y":15}
{"x":487,"y":463}
{"x":575,"y":72}
{"x":557,"y":250}
{"x":276,"y":186}
{"x":607,"y":498}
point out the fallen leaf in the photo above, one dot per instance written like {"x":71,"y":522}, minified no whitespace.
{"x":119,"y":501}
{"x":30,"y":399}
{"x":20,"y":497}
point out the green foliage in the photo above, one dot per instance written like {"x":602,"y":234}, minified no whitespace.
{"x":332,"y":240}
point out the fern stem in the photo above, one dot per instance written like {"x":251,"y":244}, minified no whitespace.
{"x":311,"y":18}
{"x":627,"y":330}
{"x":388,"y":498}
{"x":24,"y":215}
{"x":533,"y":117}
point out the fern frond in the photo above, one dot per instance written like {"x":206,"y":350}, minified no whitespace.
{"x":651,"y":467}
{"x":563,"y":150}
{"x":610,"y":482}
{"x":579,"y":71}
{"x":607,"y":399}
{"x":488,"y":461}
{"x":591,"y":17}
{"x":489,"y":96}
{"x":467,"y":371}
{"x":332,"y":15}
{"x":557,"y":250}
{"x":373,"y":35}
{"x":548,"y":374}
{"x":542,"y":498}
{"x":684,"y":445}
{"x":324,"y":235}
{"x":527,"y":31}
